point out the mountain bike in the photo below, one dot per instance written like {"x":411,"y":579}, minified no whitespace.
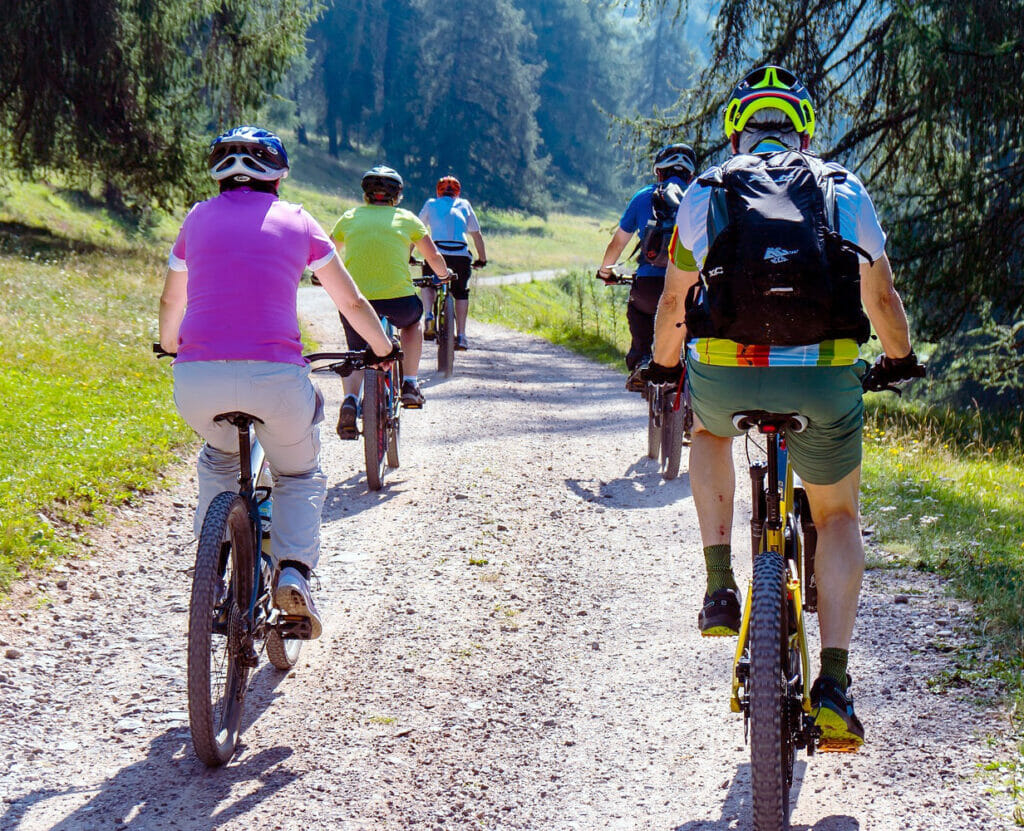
{"x":232,"y":616}
{"x":381,"y":407}
{"x":771,"y":668}
{"x":443,"y":312}
{"x":669,"y":416}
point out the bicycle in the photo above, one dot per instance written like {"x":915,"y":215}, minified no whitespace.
{"x":771,"y":668}
{"x":381,"y":407}
{"x":443,"y":312}
{"x":669,"y":415}
{"x":232,"y":616}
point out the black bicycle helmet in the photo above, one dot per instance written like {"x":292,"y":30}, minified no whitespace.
{"x":382,"y":185}
{"x":675,"y":160}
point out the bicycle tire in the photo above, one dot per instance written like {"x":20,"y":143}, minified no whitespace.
{"x":671,"y":438}
{"x":394,"y":422}
{"x":653,"y":427}
{"x":374,"y":428}
{"x":283,"y":653}
{"x":771,"y":743}
{"x":216,"y":678}
{"x":446,"y":337}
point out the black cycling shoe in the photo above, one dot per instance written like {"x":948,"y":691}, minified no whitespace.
{"x":347,"y":429}
{"x":720,"y":616}
{"x":412,"y":398}
{"x":832,"y":708}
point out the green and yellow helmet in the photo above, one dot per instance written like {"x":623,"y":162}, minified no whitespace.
{"x":774,"y":87}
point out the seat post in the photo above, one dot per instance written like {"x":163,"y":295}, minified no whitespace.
{"x":245,"y":482}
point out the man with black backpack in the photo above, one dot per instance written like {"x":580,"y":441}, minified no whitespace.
{"x":651,"y":215}
{"x":788,"y":247}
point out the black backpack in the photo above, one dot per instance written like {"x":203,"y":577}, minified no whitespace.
{"x":777,"y":271}
{"x":653,"y":245}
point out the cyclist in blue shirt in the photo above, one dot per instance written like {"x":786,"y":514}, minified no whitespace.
{"x":650,"y":215}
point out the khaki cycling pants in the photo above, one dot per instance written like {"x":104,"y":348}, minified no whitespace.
{"x":291,"y":408}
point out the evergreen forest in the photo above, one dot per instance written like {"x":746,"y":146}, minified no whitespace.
{"x":538,"y":102}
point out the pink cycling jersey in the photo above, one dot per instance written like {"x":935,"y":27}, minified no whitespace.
{"x":245,"y":252}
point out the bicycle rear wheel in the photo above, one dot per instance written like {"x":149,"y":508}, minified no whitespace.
{"x":653,"y":424}
{"x":394,"y":421}
{"x":375,"y":436}
{"x":771,"y":742}
{"x":220,"y":588}
{"x":671,"y":438}
{"x":446,"y":337}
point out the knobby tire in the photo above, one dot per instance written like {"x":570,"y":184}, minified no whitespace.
{"x":283,"y":653}
{"x":771,"y":745}
{"x":375,"y":436}
{"x":395,"y":425}
{"x":446,"y":337}
{"x":653,"y":427}
{"x":671,"y":437}
{"x":220,"y":587}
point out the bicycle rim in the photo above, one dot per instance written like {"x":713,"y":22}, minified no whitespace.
{"x":216,"y":678}
{"x":374,"y":428}
{"x":771,"y":743}
{"x":671,"y":439}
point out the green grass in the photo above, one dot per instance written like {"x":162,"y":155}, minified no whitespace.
{"x":576,"y":311}
{"x":87,"y":416}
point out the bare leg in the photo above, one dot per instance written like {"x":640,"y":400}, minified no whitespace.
{"x":461,"y":313}
{"x":839,"y":559}
{"x":352,"y":383}
{"x":427,"y":296}
{"x":713,"y":484}
{"x":412,"y":347}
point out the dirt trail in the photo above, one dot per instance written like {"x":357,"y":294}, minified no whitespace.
{"x":509,"y":643}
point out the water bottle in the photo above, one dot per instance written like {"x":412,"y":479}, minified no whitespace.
{"x":266,"y":516}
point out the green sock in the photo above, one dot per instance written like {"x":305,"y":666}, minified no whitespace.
{"x":833,"y":664}
{"x":718,"y":559}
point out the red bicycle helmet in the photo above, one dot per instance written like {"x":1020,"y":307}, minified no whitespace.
{"x":448,"y":186}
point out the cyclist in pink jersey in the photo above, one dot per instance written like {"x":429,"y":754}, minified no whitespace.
{"x":228,"y":310}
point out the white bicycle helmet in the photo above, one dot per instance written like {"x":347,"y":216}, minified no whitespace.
{"x":247,"y":153}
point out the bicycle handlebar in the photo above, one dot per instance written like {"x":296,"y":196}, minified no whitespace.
{"x":342,"y":363}
{"x":616,"y":277}
{"x":163,"y":353}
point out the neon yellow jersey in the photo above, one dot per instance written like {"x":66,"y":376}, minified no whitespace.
{"x":376,"y":239}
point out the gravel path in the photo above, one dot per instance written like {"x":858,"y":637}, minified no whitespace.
{"x":509,"y":643}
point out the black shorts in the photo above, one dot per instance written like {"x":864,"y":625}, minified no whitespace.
{"x":401,"y":311}
{"x":459,"y":287}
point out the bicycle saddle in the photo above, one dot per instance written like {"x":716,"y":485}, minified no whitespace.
{"x":767,"y":422}
{"x":237,"y":419}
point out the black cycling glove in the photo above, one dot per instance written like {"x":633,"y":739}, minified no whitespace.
{"x":478,"y":263}
{"x":372,"y":359}
{"x":658,"y":374}
{"x":886,"y":372}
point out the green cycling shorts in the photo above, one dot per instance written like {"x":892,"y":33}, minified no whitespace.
{"x":829,"y":396}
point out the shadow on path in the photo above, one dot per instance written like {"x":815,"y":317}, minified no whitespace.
{"x":737,"y":810}
{"x":640,"y":487}
{"x":170,"y":787}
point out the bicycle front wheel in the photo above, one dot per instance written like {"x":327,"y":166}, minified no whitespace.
{"x":394,"y":420}
{"x":671,"y":438}
{"x":220,"y":590}
{"x":446,"y":337}
{"x":771,"y":742}
{"x":375,"y":419}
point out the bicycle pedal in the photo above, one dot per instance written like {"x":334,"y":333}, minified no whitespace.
{"x":719,"y":632}
{"x":295,"y":627}
{"x":838,"y":745}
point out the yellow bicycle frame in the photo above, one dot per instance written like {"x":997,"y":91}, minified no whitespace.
{"x":773,"y":539}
